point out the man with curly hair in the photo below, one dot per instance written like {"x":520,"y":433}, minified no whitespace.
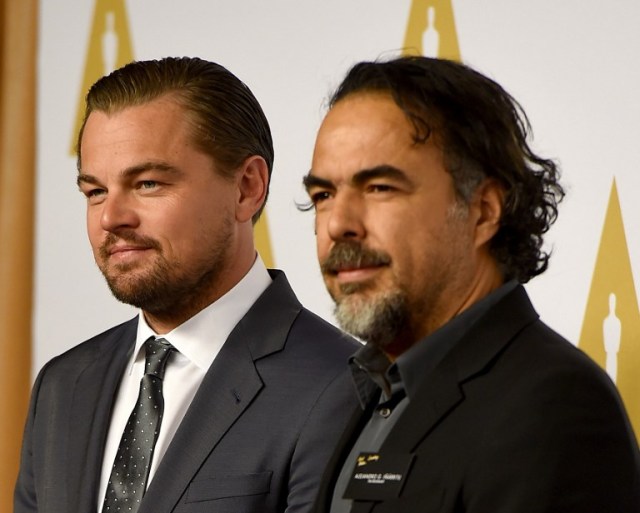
{"x":430,"y":212}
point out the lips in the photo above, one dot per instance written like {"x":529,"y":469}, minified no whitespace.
{"x":356,"y":276}
{"x":125,"y":255}
{"x":124,"y":244}
{"x":126,"y":248}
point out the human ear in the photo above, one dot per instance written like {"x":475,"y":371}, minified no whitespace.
{"x":252,"y":185}
{"x":487,"y":201}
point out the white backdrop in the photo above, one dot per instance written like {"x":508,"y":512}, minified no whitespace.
{"x":572,"y":64}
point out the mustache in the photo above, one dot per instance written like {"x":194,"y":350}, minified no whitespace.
{"x":128,"y":236}
{"x":350,"y":254}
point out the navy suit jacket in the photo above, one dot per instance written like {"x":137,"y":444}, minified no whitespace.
{"x":255,"y":438}
{"x":514,"y":419}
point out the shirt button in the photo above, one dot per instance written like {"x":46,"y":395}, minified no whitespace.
{"x":384,"y":412}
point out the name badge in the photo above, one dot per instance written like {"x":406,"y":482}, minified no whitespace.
{"x":378,"y":477}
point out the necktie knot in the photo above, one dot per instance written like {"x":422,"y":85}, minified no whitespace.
{"x":157,"y":353}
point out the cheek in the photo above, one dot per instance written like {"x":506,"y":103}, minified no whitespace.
{"x":197,"y":226}
{"x":94,"y":229}
{"x":170,"y":218}
{"x":320,"y":223}
{"x":409,"y":246}
{"x":323,"y":243}
{"x":402,"y":256}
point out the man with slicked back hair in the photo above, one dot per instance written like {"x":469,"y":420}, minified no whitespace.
{"x":224,"y":393}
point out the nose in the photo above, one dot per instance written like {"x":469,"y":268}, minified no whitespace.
{"x":345,"y":218}
{"x":118,"y":212}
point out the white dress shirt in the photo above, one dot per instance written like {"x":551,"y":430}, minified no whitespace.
{"x":198,"y":342}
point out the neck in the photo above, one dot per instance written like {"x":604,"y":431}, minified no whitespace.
{"x":200,"y":297}
{"x":450,"y":303}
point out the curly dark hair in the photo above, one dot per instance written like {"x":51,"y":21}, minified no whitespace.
{"x":227,"y":121}
{"x":483,"y":131}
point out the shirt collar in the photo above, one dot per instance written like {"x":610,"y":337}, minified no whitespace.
{"x":201,"y":337}
{"x":370,"y":364}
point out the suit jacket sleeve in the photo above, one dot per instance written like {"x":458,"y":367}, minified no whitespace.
{"x":569,"y":449}
{"x":25,"y":500}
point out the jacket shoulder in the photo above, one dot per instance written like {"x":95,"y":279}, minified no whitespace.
{"x":92,"y":348}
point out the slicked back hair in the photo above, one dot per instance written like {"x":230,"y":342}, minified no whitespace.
{"x":227,"y":121}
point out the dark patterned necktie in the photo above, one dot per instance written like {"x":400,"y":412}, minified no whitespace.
{"x":131,"y":467}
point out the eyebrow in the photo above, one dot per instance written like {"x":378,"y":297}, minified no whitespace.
{"x":359,"y":178}
{"x":310,"y":181}
{"x":132,"y":172}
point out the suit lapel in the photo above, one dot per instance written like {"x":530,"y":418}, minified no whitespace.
{"x":227,"y":389}
{"x":355,"y":425}
{"x":230,"y":385}
{"x":425,"y":410}
{"x":90,"y":412}
{"x":442,"y":390}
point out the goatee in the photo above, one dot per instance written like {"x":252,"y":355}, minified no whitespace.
{"x":376,"y":318}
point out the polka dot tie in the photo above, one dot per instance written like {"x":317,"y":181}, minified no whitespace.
{"x":131,"y":467}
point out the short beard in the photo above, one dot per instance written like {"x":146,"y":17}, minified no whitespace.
{"x":380,"y":320}
{"x":158,"y":294}
{"x":166,"y":288}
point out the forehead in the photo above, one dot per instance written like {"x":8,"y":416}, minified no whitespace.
{"x":159,"y":112}
{"x":370,"y":114}
{"x":158,"y":126}
{"x":155,"y":135}
{"x":368,"y":130}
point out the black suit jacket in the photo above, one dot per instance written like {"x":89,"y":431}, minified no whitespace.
{"x":255,"y":438}
{"x":515,"y":419}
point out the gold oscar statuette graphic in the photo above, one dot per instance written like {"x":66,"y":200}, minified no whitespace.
{"x":262,"y":240}
{"x":431,"y":30}
{"x":110,"y":48}
{"x":611,"y":328}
